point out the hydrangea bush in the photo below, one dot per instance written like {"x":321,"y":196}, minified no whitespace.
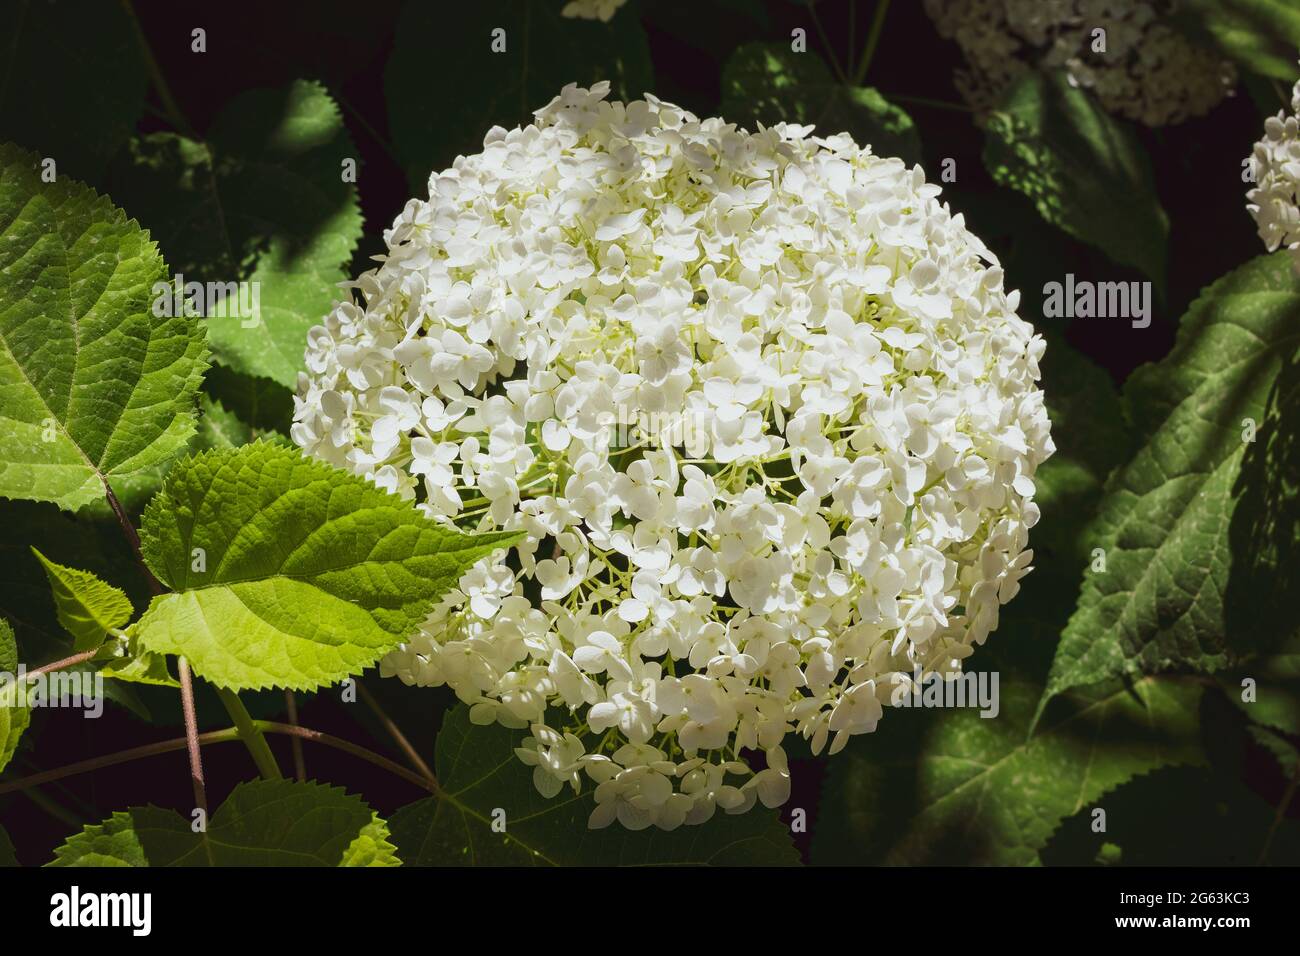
{"x":830,"y":482}
{"x":1274,"y":201}
{"x":1149,"y":72}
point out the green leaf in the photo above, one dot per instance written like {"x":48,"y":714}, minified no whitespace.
{"x":947,"y":786}
{"x":1276,"y":687}
{"x":93,"y":387}
{"x":1214,"y":820}
{"x":263,"y":407}
{"x":263,"y":823}
{"x":1283,"y":750}
{"x":435,"y":113}
{"x":220,"y":429}
{"x":1261,"y":35}
{"x":95,"y":545}
{"x":135,"y":666}
{"x":88,"y":608}
{"x":1085,"y":171}
{"x":1198,"y":534}
{"x":234,"y":410}
{"x":8,"y":649}
{"x":1091,"y":433}
{"x":767,"y":83}
{"x":480,"y":775}
{"x":261,"y":201}
{"x":13,"y":718}
{"x":309,"y":573}
{"x":7,"y":857}
{"x":73,"y":82}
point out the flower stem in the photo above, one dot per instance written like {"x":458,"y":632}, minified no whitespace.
{"x":217,"y":737}
{"x":399,"y":738}
{"x":873,"y":38}
{"x":72,"y":661}
{"x":192,"y":734}
{"x":253,"y":738}
{"x":155,"y":72}
{"x":299,"y":764}
{"x":109,"y":760}
{"x":826,"y":42}
{"x":132,"y":538}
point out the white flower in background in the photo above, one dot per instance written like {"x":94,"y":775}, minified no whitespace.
{"x":849,"y":498}
{"x":1149,"y":72}
{"x":602,"y":10}
{"x":1274,"y":201}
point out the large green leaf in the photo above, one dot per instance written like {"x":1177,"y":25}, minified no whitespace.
{"x":947,"y":786}
{"x":1199,"y":530}
{"x":263,"y":823}
{"x":73,"y":82}
{"x":1261,"y":35}
{"x":436,"y":111}
{"x":93,"y":386}
{"x":767,"y":83}
{"x":234,"y":409}
{"x":308,"y":574}
{"x":87,"y":607}
{"x":481,"y":778}
{"x":263,"y":201}
{"x":1085,"y":171}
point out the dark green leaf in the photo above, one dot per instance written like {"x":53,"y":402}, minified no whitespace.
{"x":442,"y":106}
{"x":261,"y":201}
{"x":1262,"y":35}
{"x":1198,"y":534}
{"x":767,"y":83}
{"x":482,"y":779}
{"x":1085,"y":170}
{"x":73,"y":83}
{"x":264,"y":823}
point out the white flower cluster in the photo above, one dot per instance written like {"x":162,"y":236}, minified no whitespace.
{"x":1274,"y":201}
{"x":1149,"y":72}
{"x":602,"y":10}
{"x":838,"y":490}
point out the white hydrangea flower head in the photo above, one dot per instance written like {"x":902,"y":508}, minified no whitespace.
{"x":602,"y":10}
{"x":1149,"y":72}
{"x":829,"y":484}
{"x":1274,"y":201}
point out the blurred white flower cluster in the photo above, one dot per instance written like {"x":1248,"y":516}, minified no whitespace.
{"x":1149,"y":72}
{"x":839,"y":488}
{"x":602,"y":10}
{"x":1274,"y":201}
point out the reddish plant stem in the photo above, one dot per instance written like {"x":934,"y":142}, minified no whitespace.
{"x":217,"y":737}
{"x":192,"y":734}
{"x":182,"y":665}
{"x":399,"y":738}
{"x":299,"y":764}
{"x":133,"y":539}
{"x":72,"y":661}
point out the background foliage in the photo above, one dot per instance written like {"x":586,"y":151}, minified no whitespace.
{"x":1121,"y":688}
